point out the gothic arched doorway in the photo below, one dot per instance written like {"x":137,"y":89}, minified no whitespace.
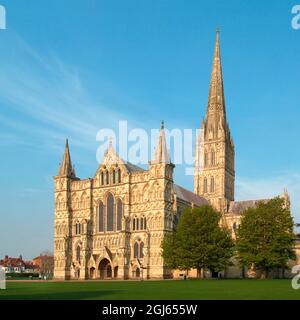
{"x":105,"y":269}
{"x":92,"y":273}
{"x":137,"y":272}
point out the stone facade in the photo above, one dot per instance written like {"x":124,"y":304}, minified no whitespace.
{"x":112,"y":225}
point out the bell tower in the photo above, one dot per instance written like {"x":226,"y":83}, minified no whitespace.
{"x":214,"y":152}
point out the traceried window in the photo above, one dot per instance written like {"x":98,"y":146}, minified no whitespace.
{"x":205,"y":185}
{"x":213,"y":158}
{"x":101,"y":217}
{"x":77,"y":228}
{"x":119,"y":214}
{"x":110,"y":213}
{"x":136,"y":250}
{"x":143,"y":223}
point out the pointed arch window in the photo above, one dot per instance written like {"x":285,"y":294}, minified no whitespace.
{"x":110,"y":212}
{"x":101,"y":217}
{"x":136,"y":250}
{"x":78,"y":254}
{"x":205,"y":185}
{"x":213,"y":158}
{"x":114,"y":177}
{"x":119,"y":175}
{"x":119,"y":214}
{"x":143,"y":223}
{"x":77,"y":228}
{"x":133,"y":224}
{"x":102,"y":178}
{"x":106,"y":177}
{"x":212,"y":184}
{"x":141,"y":253}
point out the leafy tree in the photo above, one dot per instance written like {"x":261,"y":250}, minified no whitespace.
{"x":265,"y":238}
{"x":198,"y":242}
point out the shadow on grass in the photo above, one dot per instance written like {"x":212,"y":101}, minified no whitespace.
{"x":74,"y":295}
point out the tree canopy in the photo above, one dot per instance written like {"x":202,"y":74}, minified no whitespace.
{"x":198,"y":242}
{"x":265,"y":237}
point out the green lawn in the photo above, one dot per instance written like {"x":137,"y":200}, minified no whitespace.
{"x":190,"y":289}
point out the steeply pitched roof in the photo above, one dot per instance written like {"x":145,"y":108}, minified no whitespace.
{"x":132,"y":167}
{"x":237,"y":207}
{"x":111,"y":157}
{"x":189,"y":196}
{"x":15,"y":262}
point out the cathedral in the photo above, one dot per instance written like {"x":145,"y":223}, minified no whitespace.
{"x":111,"y":226}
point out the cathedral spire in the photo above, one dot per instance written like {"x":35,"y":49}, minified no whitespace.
{"x":214,"y":152}
{"x":161,"y":154}
{"x":216,"y":111}
{"x":66,"y":168}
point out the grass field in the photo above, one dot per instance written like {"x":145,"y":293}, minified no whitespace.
{"x":137,"y":290}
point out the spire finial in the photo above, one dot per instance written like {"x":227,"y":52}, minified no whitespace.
{"x":110,"y":142}
{"x":66,"y":167}
{"x":218,"y":30}
{"x":216,"y":100}
{"x":161,"y":154}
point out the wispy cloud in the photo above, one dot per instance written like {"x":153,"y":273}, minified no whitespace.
{"x":44,"y":97}
{"x":257,"y":188}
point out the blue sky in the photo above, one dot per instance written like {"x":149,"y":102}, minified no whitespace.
{"x":69,"y":68}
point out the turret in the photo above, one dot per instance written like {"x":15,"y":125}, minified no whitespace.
{"x":66,"y":168}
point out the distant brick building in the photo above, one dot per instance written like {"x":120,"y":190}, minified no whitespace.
{"x":16,"y":265}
